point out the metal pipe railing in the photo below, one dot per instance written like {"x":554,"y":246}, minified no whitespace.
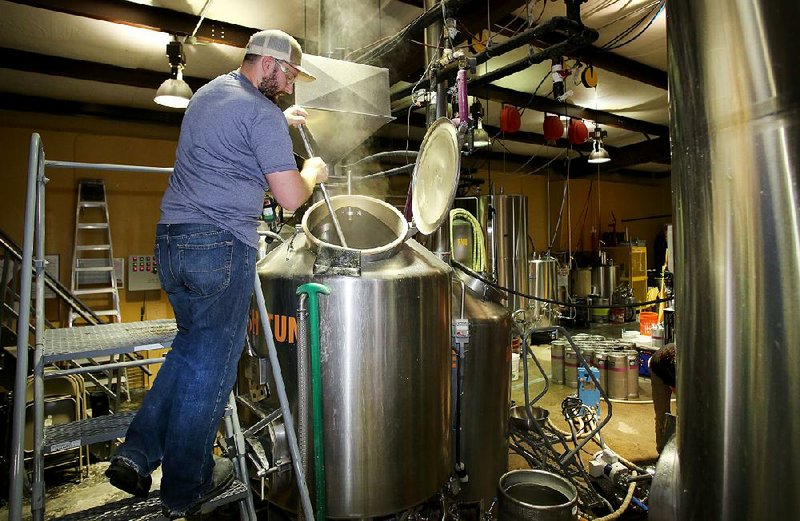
{"x":21,"y":378}
{"x":37,"y":485}
{"x":105,"y":367}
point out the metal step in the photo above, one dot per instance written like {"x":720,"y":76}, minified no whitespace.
{"x":94,"y":291}
{"x":85,"y":432}
{"x":93,"y":247}
{"x":107,"y":339}
{"x":92,"y":226}
{"x":95,"y":268}
{"x":135,"y":509}
{"x":106,"y":312}
{"x":92,"y":204}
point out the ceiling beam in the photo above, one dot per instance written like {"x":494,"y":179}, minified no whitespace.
{"x":149,"y":17}
{"x":542,"y":104}
{"x":86,"y":70}
{"x":18,"y":102}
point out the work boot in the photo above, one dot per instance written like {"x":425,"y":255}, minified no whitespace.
{"x":124,"y":476}
{"x":221,"y":479}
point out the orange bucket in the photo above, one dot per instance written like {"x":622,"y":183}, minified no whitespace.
{"x":647,"y":319}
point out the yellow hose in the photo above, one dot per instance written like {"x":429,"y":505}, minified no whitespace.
{"x":478,"y":242}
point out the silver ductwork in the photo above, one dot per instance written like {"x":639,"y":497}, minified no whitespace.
{"x":735,"y":123}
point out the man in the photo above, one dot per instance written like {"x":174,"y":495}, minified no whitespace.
{"x":234,"y":143}
{"x":663,"y":382}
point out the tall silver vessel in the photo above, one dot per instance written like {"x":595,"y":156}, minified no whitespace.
{"x":505,"y":220}
{"x":736,"y":152}
{"x":481,"y":401}
{"x":385,"y":342}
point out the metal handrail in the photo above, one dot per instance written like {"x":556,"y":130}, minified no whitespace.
{"x":52,"y":283}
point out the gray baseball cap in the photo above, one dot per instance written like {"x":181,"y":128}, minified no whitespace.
{"x":280,"y":45}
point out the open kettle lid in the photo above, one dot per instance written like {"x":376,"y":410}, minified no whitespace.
{"x":435,"y":177}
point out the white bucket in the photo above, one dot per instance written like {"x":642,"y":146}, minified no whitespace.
{"x":514,"y":366}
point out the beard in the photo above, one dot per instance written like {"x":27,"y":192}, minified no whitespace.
{"x":270,"y":87}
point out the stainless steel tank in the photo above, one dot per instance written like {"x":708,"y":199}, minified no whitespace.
{"x":736,"y":184}
{"x":385,"y":341}
{"x":481,"y":404}
{"x":504,"y":218}
{"x":543,"y":283}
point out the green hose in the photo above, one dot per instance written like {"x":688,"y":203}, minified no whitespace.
{"x":312,"y":290}
{"x":478,"y":243}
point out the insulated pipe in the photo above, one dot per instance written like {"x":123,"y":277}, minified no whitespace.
{"x":291,"y":434}
{"x":735,"y":130}
{"x":302,"y":381}
{"x":312,"y":290}
{"x":461,"y":82}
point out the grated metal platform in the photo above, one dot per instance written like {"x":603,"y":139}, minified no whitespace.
{"x":135,"y":509}
{"x":84,"y":432}
{"x":107,"y":339}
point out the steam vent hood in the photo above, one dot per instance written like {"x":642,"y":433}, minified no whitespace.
{"x":346,"y":104}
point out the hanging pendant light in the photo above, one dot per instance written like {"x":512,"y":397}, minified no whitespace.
{"x":598,"y":154}
{"x":174,"y":92}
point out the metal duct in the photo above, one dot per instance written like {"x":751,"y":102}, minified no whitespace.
{"x":346,"y":104}
{"x":735,"y":122}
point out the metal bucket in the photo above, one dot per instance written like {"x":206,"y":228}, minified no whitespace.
{"x":617,"y":375}
{"x":557,"y":348}
{"x":570,"y":368}
{"x":536,"y":495}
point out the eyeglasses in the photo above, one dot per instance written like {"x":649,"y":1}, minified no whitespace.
{"x":285,"y":69}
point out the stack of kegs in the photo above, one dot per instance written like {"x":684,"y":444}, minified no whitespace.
{"x":617,"y":361}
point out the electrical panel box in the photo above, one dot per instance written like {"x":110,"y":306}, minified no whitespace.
{"x":142,"y":273}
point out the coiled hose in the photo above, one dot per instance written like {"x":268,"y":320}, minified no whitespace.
{"x":478,"y":242}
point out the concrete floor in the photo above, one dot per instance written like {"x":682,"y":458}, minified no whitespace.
{"x":630,"y":433}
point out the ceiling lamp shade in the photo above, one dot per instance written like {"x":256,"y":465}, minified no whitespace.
{"x":553,"y":128}
{"x":174,"y":92}
{"x":599,"y":154}
{"x":480,"y":138}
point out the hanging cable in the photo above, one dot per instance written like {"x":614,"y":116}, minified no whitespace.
{"x":474,"y":274}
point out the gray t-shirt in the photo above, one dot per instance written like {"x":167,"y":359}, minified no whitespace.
{"x":231,"y":136}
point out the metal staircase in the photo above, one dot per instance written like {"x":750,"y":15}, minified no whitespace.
{"x":59,"y":346}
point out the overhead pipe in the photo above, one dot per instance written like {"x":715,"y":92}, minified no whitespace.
{"x":577,"y":36}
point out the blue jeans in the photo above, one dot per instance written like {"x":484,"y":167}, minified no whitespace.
{"x":208,"y":275}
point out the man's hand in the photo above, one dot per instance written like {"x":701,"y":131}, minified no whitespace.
{"x":295,"y":115}
{"x":316,"y":169}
